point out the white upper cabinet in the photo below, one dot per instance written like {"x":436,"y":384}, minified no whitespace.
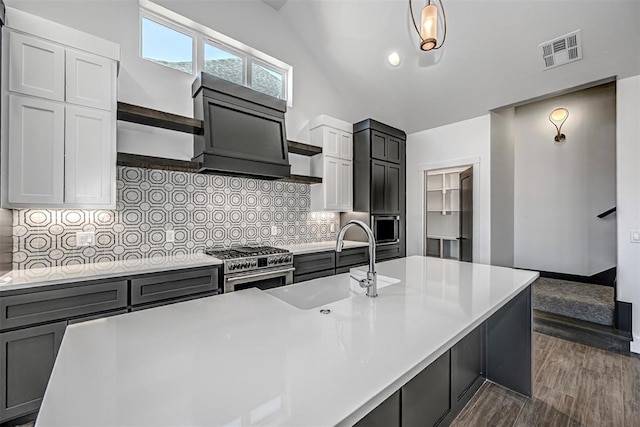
{"x":58,"y":116}
{"x":90,"y":80}
{"x":334,"y":165}
{"x":36,"y":153}
{"x":89,"y":158}
{"x":36,"y":67}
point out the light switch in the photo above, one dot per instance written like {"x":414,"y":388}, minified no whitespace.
{"x":274,"y":230}
{"x":332,"y":227}
{"x":170,"y":236}
{"x":635,"y":236}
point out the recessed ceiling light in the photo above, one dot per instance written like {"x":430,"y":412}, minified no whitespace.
{"x":394,"y":58}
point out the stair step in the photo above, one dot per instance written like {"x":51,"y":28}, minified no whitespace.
{"x":580,"y":331}
{"x":583,"y":301}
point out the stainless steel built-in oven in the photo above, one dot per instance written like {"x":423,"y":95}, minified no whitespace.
{"x":262,"y":267}
{"x":386,"y":228}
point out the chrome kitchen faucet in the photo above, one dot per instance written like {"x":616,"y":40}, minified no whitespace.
{"x":371,"y":282}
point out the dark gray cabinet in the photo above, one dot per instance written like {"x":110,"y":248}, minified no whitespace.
{"x":386,"y":147}
{"x":467,"y":363}
{"x":379,"y":159}
{"x":352,"y":257}
{"x":387,"y":414}
{"x":26,"y":361}
{"x":387,"y":187}
{"x":426,"y":398}
{"x":63,"y":302}
{"x":175,"y":284}
{"x":384,"y":252}
{"x":33,"y":322}
{"x":327,"y":263}
{"x":313,"y":265}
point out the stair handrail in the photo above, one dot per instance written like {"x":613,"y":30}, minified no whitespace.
{"x":607,"y":212}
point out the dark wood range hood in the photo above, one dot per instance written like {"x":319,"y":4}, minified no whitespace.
{"x":243,"y":131}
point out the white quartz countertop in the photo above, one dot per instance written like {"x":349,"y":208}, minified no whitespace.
{"x":31,"y":278}
{"x":305,"y":248}
{"x":248,"y":358}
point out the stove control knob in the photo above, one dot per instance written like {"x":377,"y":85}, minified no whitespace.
{"x":246,"y":264}
{"x":232,"y":266}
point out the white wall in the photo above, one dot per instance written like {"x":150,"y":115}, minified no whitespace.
{"x":461,"y":143}
{"x":561,"y":188}
{"x":502,"y":186}
{"x":144,"y":83}
{"x":628,"y":196}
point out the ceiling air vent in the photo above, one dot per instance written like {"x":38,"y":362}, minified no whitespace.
{"x":562,"y":50}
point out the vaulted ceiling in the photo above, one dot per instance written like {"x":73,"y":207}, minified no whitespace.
{"x":491,"y":57}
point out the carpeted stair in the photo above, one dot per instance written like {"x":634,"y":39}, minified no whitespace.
{"x":583,"y":301}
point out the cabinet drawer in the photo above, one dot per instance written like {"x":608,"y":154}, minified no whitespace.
{"x":387,"y":252}
{"x":156,"y":287}
{"x":26,"y":361}
{"x":342,"y":270}
{"x":310,"y":263}
{"x":315,"y":275}
{"x":96,"y":316}
{"x":351,"y":257}
{"x":44,"y":306}
{"x":173,"y":301}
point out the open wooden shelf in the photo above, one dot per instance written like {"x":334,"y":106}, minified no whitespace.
{"x":303,"y":149}
{"x":160,"y":119}
{"x":302,"y":179}
{"x":150,"y":162}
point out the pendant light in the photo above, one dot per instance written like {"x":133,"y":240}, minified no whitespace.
{"x":428,"y":30}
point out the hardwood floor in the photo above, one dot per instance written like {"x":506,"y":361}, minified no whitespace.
{"x":574,"y":385}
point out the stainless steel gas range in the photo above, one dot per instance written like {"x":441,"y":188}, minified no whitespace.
{"x":262,"y":267}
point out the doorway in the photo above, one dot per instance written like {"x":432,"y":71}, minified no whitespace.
{"x":449,"y":213}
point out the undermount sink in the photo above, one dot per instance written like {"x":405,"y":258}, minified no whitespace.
{"x":319,"y":292}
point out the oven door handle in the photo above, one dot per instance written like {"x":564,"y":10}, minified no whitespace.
{"x":265,"y":275}
{"x":395,"y":242}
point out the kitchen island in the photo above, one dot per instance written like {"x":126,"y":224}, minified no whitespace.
{"x":249,"y":358}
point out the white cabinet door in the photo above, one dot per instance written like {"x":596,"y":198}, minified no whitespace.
{"x":36,"y":152}
{"x":89,"y":148}
{"x":330,"y":141}
{"x":345,"y":183}
{"x":346,"y":145}
{"x":331,"y":183}
{"x":90,"y":80}
{"x":36,"y":67}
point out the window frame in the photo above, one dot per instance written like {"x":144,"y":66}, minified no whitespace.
{"x":201,"y":34}
{"x":145,"y":14}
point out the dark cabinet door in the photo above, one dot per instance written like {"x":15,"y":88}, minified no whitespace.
{"x":393,"y":188}
{"x":387,"y":414}
{"x":425,"y":399}
{"x":394,"y":150}
{"x":26,"y":361}
{"x":378,"y":186}
{"x":467,"y":364}
{"x":378,"y":145}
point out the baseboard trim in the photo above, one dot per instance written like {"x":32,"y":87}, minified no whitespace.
{"x":635,"y":344}
{"x":605,"y":278}
{"x":591,"y":334}
{"x":623,"y":316}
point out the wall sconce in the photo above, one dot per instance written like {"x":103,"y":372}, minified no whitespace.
{"x":558,"y":117}
{"x":428,"y":30}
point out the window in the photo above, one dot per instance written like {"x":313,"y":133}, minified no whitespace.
{"x":175,"y":41}
{"x":166,"y":46}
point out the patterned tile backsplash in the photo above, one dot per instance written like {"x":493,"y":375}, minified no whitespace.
{"x":203,"y":210}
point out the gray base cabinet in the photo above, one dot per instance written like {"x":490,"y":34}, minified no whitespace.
{"x":26,"y":361}
{"x":387,"y":414}
{"x":33,"y":321}
{"x":439,"y":392}
{"x":425,"y":399}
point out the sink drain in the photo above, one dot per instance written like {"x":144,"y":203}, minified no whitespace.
{"x":325,"y":311}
